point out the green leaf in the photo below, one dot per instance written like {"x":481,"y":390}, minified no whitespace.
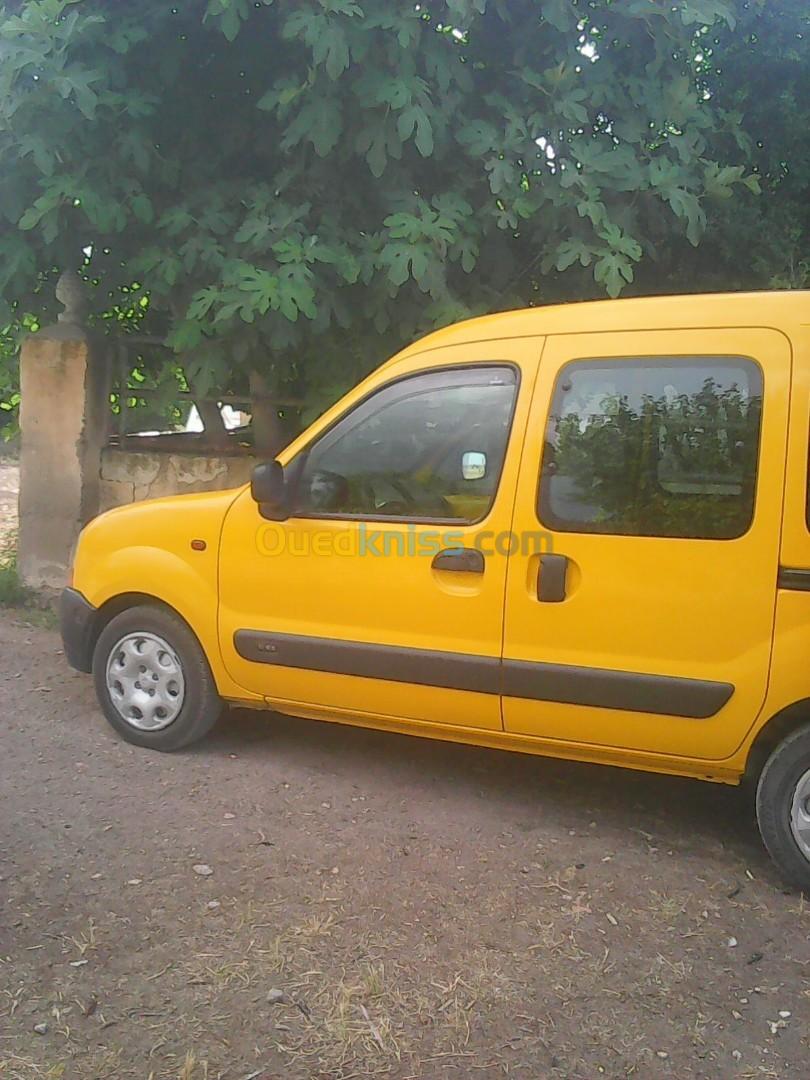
{"x":572,"y":108}
{"x":478,"y":136}
{"x":686,"y":205}
{"x":720,"y":180}
{"x":396,"y":259}
{"x":202,"y":302}
{"x":419,"y":265}
{"x":561,"y":14}
{"x":175,"y":221}
{"x":230,"y":14}
{"x":571,"y":251}
{"x":185,"y":337}
{"x":707,"y":13}
{"x":142,"y":208}
{"x":424,"y":134}
{"x":377,"y":157}
{"x":620,"y":241}
{"x":501,"y":174}
{"x":254,"y":230}
{"x":612,"y":271}
{"x":39,"y":150}
{"x":332,"y":48}
{"x":469,"y":255}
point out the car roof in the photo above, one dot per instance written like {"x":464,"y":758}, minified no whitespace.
{"x":778,"y":309}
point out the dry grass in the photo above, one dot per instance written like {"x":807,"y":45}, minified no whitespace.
{"x":351,"y":1007}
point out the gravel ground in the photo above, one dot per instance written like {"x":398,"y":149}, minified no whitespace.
{"x":303,"y":900}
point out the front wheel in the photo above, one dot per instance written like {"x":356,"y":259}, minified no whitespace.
{"x":783,"y":807}
{"x":153,"y":681}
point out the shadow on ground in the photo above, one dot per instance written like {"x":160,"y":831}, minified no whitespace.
{"x":520,"y":788}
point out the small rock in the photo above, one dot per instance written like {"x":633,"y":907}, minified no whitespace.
{"x":135,"y":881}
{"x":203,"y":869}
{"x":41,"y":1029}
{"x":229,"y":817}
{"x":276,"y":997}
{"x":784,"y":1014}
{"x":736,"y":1055}
{"x":212,"y":905}
{"x":612,"y":919}
{"x":335,"y":870}
{"x":732,"y":943}
{"x":661,"y":1054}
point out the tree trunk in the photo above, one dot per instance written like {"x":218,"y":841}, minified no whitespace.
{"x":214,"y":430}
{"x":268,"y":435}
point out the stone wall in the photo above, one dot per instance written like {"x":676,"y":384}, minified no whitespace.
{"x":129,"y":476}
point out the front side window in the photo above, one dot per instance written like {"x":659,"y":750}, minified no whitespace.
{"x":429,"y":446}
{"x":653,"y":447}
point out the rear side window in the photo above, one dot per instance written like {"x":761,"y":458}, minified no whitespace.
{"x":653,"y":446}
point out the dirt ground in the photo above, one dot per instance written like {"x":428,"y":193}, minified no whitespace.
{"x":9,"y":490}
{"x":376,"y":906}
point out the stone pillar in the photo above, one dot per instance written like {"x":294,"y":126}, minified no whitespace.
{"x":64,"y":409}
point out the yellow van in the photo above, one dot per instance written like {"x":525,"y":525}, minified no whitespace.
{"x":579,"y":531}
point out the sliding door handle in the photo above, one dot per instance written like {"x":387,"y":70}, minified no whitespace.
{"x":551,"y":578}
{"x":460,"y":560}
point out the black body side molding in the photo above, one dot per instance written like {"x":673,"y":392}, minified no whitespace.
{"x":797,"y":580}
{"x":666,"y":695}
{"x":604,"y":688}
{"x":425,"y":667}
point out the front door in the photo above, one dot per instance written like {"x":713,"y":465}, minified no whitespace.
{"x":654,"y":462}
{"x":382,"y":594}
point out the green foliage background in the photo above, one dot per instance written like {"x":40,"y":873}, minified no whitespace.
{"x":299,"y":189}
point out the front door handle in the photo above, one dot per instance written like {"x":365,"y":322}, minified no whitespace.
{"x":551,"y":578}
{"x":460,"y":560}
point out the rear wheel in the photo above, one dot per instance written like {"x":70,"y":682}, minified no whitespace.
{"x":783,"y":806}
{"x":153,"y":681}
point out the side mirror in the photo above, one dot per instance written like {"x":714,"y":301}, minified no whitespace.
{"x":269,"y":490}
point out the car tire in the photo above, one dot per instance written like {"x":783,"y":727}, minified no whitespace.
{"x":153,"y":681}
{"x":783,"y":807}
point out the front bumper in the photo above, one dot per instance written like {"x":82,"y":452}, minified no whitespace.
{"x":77,"y":620}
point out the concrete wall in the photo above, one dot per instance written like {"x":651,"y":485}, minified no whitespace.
{"x":129,"y":476}
{"x":64,"y":405}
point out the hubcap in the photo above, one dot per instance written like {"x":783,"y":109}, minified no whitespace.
{"x":800,"y":815}
{"x":145,"y":681}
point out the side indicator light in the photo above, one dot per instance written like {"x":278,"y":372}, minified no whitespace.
{"x":198,"y":545}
